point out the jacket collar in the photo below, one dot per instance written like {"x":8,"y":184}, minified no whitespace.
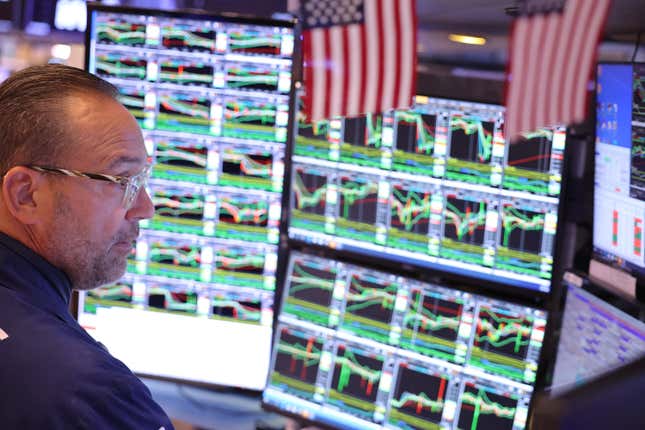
{"x":34,"y":278}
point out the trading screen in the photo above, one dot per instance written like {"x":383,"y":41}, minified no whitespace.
{"x":596,"y":338}
{"x":357,"y":348}
{"x":212,"y":98}
{"x":619,"y":192}
{"x":437,"y":186}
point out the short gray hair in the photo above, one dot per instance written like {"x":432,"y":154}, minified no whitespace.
{"x":32,"y":127}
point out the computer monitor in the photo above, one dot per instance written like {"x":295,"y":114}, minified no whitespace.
{"x":212,"y":95}
{"x":600,"y":332}
{"x":437,"y":186}
{"x":619,"y":187}
{"x":358,"y":348}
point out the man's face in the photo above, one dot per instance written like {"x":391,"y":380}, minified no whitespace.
{"x":90,"y":233}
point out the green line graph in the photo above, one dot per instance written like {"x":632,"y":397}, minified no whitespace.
{"x":410,"y":210}
{"x":415,"y":132}
{"x":530,"y":224}
{"x":480,"y":405}
{"x":349,"y":365}
{"x":468,"y":132}
{"x":466,"y":216}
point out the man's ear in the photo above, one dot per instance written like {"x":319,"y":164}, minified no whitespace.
{"x":20,"y":192}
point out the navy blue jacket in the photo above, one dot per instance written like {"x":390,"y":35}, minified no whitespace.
{"x":53,"y":375}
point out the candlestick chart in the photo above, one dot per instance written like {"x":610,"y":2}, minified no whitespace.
{"x":310,"y":285}
{"x":239,"y":267}
{"x":181,"y":160}
{"x":254,"y":42}
{"x":483,"y":409}
{"x":501,"y":342}
{"x":464,"y":223}
{"x":431,"y":324}
{"x":358,"y":204}
{"x":410,"y":208}
{"x":415,"y":142}
{"x":172,"y":299}
{"x":184,"y":113}
{"x":188,"y":37}
{"x":355,"y":380}
{"x":418,"y":398}
{"x":471,"y":144}
{"x":369,"y":305}
{"x":178,"y":211}
{"x":296,"y":363}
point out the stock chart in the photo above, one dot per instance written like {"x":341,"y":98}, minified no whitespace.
{"x":297,"y":358}
{"x":369,"y":306}
{"x":393,"y":352}
{"x":355,"y":379}
{"x":418,"y":399}
{"x":415,"y":143}
{"x":431,"y":186}
{"x":212,"y":96}
{"x":311,"y":291}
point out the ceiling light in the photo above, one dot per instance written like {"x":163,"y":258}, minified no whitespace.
{"x":469,"y":40}
{"x":61,"y":51}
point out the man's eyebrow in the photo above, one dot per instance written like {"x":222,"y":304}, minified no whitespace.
{"x":125,"y":160}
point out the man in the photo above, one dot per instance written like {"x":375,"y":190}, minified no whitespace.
{"x":73,"y":167}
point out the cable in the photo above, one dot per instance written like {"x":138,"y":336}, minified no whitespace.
{"x":638,"y":43}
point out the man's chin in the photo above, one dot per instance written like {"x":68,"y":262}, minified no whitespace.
{"x":108,"y":277}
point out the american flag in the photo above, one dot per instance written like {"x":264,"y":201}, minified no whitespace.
{"x":552,"y":54}
{"x":359,"y":56}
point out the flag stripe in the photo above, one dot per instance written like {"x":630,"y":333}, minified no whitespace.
{"x":372,"y":53}
{"x":593,"y":38}
{"x":398,"y":50}
{"x":560,"y":66}
{"x":359,"y":56}
{"x":544,"y":85}
{"x":356,"y":67}
{"x":408,"y":48}
{"x":337,"y":69}
{"x":389,"y":48}
{"x":308,"y":71}
{"x":328,"y":68}
{"x":552,"y":54}
{"x":518,"y":39}
{"x":531,"y":60}
{"x":380,"y":59}
{"x":320,"y":76}
{"x":347,"y":68}
{"x":582,"y":10}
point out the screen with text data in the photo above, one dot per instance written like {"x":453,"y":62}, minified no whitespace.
{"x":212,"y":97}
{"x":357,"y":348}
{"x":619,"y":191}
{"x":596,"y":337}
{"x":436,"y":186}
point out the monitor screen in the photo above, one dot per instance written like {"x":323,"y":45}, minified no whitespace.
{"x":212,"y":97}
{"x":357,"y":348}
{"x":596,"y":337}
{"x":619,"y":191}
{"x":437,"y":186}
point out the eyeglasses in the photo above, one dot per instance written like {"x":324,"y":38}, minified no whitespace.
{"x":131,"y":184}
